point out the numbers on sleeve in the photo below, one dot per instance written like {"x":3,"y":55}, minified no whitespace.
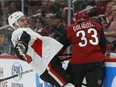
{"x":84,"y":40}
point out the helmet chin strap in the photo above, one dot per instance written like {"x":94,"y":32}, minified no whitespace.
{"x":18,"y":24}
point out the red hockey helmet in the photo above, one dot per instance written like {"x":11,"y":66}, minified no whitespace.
{"x":81,"y":17}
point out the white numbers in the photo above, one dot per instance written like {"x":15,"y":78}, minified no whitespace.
{"x":82,"y":38}
{"x":94,"y":36}
{"x":84,"y":42}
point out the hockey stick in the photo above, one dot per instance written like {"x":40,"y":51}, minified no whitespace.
{"x":16,"y":75}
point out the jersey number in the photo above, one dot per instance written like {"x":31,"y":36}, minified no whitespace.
{"x":93,"y":33}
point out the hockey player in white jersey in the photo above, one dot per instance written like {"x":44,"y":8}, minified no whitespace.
{"x":39,"y":51}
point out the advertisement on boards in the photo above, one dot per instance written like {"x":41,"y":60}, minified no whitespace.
{"x":10,"y":67}
{"x":110,"y":74}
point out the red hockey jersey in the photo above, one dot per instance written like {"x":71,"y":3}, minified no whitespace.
{"x":85,"y":38}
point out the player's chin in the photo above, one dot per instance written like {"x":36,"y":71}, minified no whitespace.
{"x":27,"y":26}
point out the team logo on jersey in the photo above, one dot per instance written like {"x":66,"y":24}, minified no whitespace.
{"x":17,"y":68}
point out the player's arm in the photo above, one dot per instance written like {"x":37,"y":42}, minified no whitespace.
{"x":22,"y":45}
{"x":110,"y":34}
{"x":64,"y":41}
{"x":102,"y":42}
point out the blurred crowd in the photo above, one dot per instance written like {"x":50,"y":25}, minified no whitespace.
{"x":50,"y":17}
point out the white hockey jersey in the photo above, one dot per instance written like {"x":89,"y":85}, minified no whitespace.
{"x":41,"y":49}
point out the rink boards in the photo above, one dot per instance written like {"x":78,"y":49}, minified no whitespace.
{"x":11,"y":65}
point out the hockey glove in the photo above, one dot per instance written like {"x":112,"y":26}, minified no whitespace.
{"x":21,"y":50}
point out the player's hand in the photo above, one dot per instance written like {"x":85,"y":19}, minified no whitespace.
{"x":21,"y":51}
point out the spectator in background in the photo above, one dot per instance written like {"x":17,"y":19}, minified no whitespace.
{"x":2,"y":42}
{"x":100,"y":7}
{"x":2,"y":37}
{"x":32,"y":22}
{"x":0,"y":23}
{"x":5,"y":43}
{"x":91,"y":2}
{"x":79,"y":5}
{"x":58,"y":30}
{"x":49,"y":19}
{"x":31,"y":11}
{"x":111,"y":34}
{"x":112,"y":27}
{"x":113,"y":1}
{"x":64,"y":14}
{"x":53,"y":8}
{"x":44,"y":8}
{"x":41,"y":28}
{"x":48,"y":23}
{"x":108,"y":12}
{"x":11,"y":7}
{"x":103,"y":22}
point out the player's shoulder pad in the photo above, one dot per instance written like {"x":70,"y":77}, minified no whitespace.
{"x":19,"y":31}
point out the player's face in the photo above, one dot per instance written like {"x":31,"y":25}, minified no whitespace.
{"x":23,"y":22}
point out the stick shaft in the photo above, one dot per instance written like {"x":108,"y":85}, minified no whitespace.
{"x":16,"y":75}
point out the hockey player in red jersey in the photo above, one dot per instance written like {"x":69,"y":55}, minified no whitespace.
{"x":88,"y":41}
{"x":39,"y":51}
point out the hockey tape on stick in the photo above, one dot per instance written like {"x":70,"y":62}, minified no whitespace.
{"x":16,"y":75}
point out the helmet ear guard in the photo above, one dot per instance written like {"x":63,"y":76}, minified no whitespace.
{"x":14,"y":17}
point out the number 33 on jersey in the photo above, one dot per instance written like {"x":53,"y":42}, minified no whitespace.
{"x":84,"y":34}
{"x":85,"y":38}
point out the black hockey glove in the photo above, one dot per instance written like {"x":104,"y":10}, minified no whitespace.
{"x":21,"y":50}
